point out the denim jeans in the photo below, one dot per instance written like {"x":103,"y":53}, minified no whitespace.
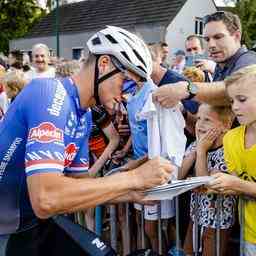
{"x":3,"y":244}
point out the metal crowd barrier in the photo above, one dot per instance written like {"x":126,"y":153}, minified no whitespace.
{"x":114,"y":227}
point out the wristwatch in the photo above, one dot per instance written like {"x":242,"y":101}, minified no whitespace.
{"x":192,"y":89}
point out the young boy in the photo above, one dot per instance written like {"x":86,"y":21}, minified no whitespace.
{"x":139,"y":136}
{"x":209,"y":211}
{"x":240,"y":152}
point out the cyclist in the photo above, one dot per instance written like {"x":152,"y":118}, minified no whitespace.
{"x":44,"y":147}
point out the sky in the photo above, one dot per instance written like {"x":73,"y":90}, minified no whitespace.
{"x":219,"y":2}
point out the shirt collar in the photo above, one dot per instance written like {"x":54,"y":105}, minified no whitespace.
{"x":230,"y":61}
{"x":72,"y":91}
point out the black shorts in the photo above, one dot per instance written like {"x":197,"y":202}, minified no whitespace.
{"x":45,"y":239}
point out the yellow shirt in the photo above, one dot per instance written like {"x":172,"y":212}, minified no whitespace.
{"x":242,"y":161}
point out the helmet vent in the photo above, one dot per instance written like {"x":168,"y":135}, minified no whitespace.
{"x":128,"y":43}
{"x":96,"y":41}
{"x":127,"y":36}
{"x":111,"y":39}
{"x":125,"y":55}
{"x":140,"y":67}
{"x":139,"y":57}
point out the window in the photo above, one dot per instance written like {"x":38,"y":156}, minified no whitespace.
{"x":199,"y":26}
{"x":76,"y":53}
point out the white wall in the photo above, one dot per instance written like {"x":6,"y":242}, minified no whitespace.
{"x":184,"y":23}
{"x":150,"y":33}
{"x":67,"y":43}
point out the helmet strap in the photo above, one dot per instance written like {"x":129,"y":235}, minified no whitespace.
{"x":98,"y":80}
{"x":96,"y":85}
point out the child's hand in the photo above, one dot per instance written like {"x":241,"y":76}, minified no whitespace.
{"x":206,"y":141}
{"x":224,"y":183}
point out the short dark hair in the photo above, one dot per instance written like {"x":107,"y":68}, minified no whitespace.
{"x":190,"y":37}
{"x":231,"y":20}
{"x":163,"y":44}
{"x":17,"y":54}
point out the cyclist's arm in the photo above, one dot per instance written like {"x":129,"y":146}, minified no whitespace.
{"x":54,"y":193}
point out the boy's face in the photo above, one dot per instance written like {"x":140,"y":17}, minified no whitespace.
{"x":206,"y":120}
{"x":243,"y":100}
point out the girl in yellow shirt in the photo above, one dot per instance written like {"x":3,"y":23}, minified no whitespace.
{"x":240,"y":152}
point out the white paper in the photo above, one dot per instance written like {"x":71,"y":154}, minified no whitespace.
{"x":177,"y":187}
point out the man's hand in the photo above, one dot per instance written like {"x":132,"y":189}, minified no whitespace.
{"x":152,"y":173}
{"x":169,"y":95}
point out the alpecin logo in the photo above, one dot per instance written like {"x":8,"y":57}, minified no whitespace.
{"x":45,"y":132}
{"x":69,"y":154}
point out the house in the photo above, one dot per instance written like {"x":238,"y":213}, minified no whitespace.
{"x":154,"y":20}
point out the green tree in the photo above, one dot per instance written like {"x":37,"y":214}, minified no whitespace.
{"x":16,"y":18}
{"x":246,"y":10}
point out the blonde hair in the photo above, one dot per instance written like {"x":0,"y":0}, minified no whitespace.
{"x":194,"y":74}
{"x":224,"y":112}
{"x":2,"y":71}
{"x":15,"y":81}
{"x":247,"y":73}
{"x":67,"y":68}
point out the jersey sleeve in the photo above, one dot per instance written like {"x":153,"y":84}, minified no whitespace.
{"x":46,"y":111}
{"x":80,"y":164}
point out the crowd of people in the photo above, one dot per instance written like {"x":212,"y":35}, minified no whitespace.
{"x":66,"y":123}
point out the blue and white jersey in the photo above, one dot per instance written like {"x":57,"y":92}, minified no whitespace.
{"x":138,"y":128}
{"x":45,"y":130}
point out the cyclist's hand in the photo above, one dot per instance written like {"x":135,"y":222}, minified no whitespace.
{"x":153,"y":173}
{"x":138,"y":197}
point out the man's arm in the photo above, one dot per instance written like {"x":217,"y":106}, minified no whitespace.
{"x":54,"y":193}
{"x":211,"y":93}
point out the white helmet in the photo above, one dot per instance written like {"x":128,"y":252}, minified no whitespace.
{"x":126,"y":47}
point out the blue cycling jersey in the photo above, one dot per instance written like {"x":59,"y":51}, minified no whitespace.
{"x":45,"y":130}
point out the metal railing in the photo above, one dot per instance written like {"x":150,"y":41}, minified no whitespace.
{"x":116,"y":243}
